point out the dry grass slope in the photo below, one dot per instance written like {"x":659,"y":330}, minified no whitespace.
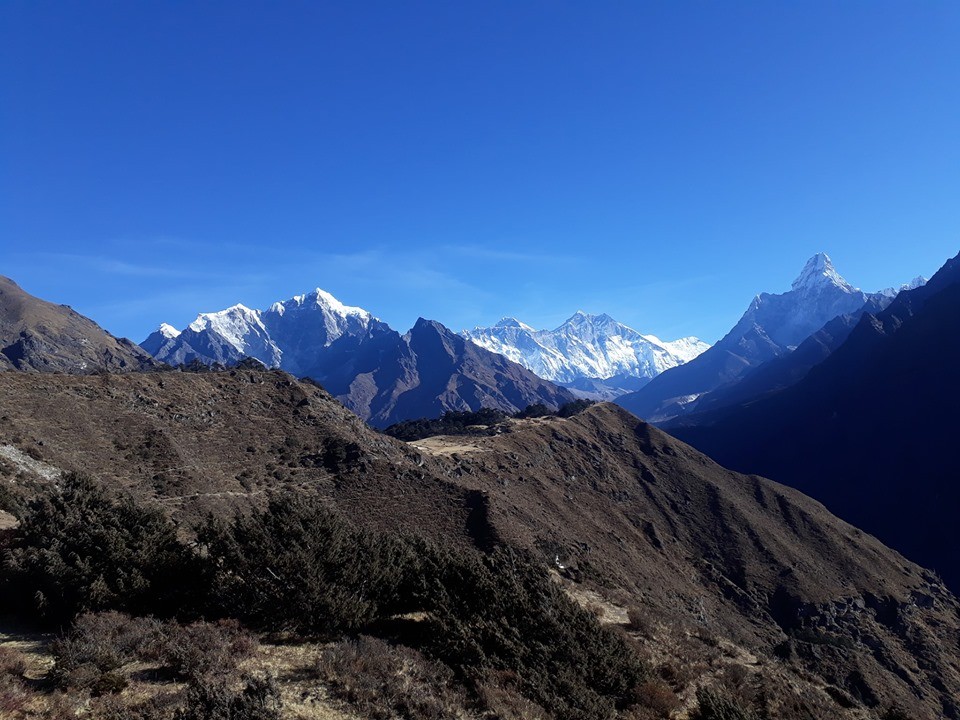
{"x":731,"y":580}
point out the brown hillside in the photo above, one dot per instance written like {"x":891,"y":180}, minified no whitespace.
{"x":733,"y":571}
{"x":38,"y":335}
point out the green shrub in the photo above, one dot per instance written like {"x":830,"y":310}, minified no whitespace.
{"x":78,"y":549}
{"x":575,"y":407}
{"x":534,"y":411}
{"x":299,"y":567}
{"x":454,"y":422}
{"x":501,"y":611}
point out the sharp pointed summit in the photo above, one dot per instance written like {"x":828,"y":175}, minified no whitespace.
{"x":772,"y":327}
{"x":818,"y":272}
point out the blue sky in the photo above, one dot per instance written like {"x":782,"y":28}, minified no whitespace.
{"x":662,"y":162}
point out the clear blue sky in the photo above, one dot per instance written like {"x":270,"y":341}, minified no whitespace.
{"x":662,"y":162}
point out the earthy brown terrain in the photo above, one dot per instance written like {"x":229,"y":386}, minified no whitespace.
{"x":737,"y":579}
{"x":38,"y":335}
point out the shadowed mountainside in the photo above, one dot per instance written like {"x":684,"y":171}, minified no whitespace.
{"x":772,"y":326}
{"x":868,"y":430}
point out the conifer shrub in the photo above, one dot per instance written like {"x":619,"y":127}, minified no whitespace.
{"x":534,"y":411}
{"x":501,"y":611}
{"x":574,"y":407}
{"x":299,"y":567}
{"x":79,"y":549}
{"x":484,"y":421}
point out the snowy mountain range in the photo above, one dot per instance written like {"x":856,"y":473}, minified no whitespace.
{"x":289,"y":335}
{"x":772,"y":326}
{"x":378,"y":373}
{"x":385,"y":376}
{"x":586,"y":347}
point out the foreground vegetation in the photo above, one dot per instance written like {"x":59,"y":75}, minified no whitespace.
{"x":491,"y":625}
{"x":262,"y":616}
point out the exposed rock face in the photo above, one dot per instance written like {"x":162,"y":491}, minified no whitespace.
{"x":426,"y":372}
{"x":39,"y":336}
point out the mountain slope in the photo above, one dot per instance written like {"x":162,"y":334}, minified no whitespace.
{"x":868,"y":430}
{"x":730,"y":571}
{"x":427,"y":372}
{"x":771,"y":327}
{"x":381,"y":375}
{"x":40,"y":336}
{"x":779,"y":373}
{"x":585,"y":346}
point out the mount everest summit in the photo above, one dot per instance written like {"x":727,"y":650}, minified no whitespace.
{"x":587,"y":348}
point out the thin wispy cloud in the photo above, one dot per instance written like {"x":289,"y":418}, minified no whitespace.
{"x":113,"y":266}
{"x":495,"y":254}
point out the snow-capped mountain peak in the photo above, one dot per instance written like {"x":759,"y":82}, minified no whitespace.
{"x":323,"y":299}
{"x":819,"y":272}
{"x":512,"y":322}
{"x":225,"y":319}
{"x":892,"y":292}
{"x":580,"y":317}
{"x":168,"y":331}
{"x":290,"y":334}
{"x":584,"y":346}
{"x":686,"y":348}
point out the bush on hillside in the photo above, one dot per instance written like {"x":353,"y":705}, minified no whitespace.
{"x":482,"y":422}
{"x":575,"y":407}
{"x":534,"y":411}
{"x":716,"y":705}
{"x":383,"y":682}
{"x":501,"y":611}
{"x":97,"y":646}
{"x":79,"y":549}
{"x":299,"y":567}
{"x":259,"y":699}
{"x":485,"y":421}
